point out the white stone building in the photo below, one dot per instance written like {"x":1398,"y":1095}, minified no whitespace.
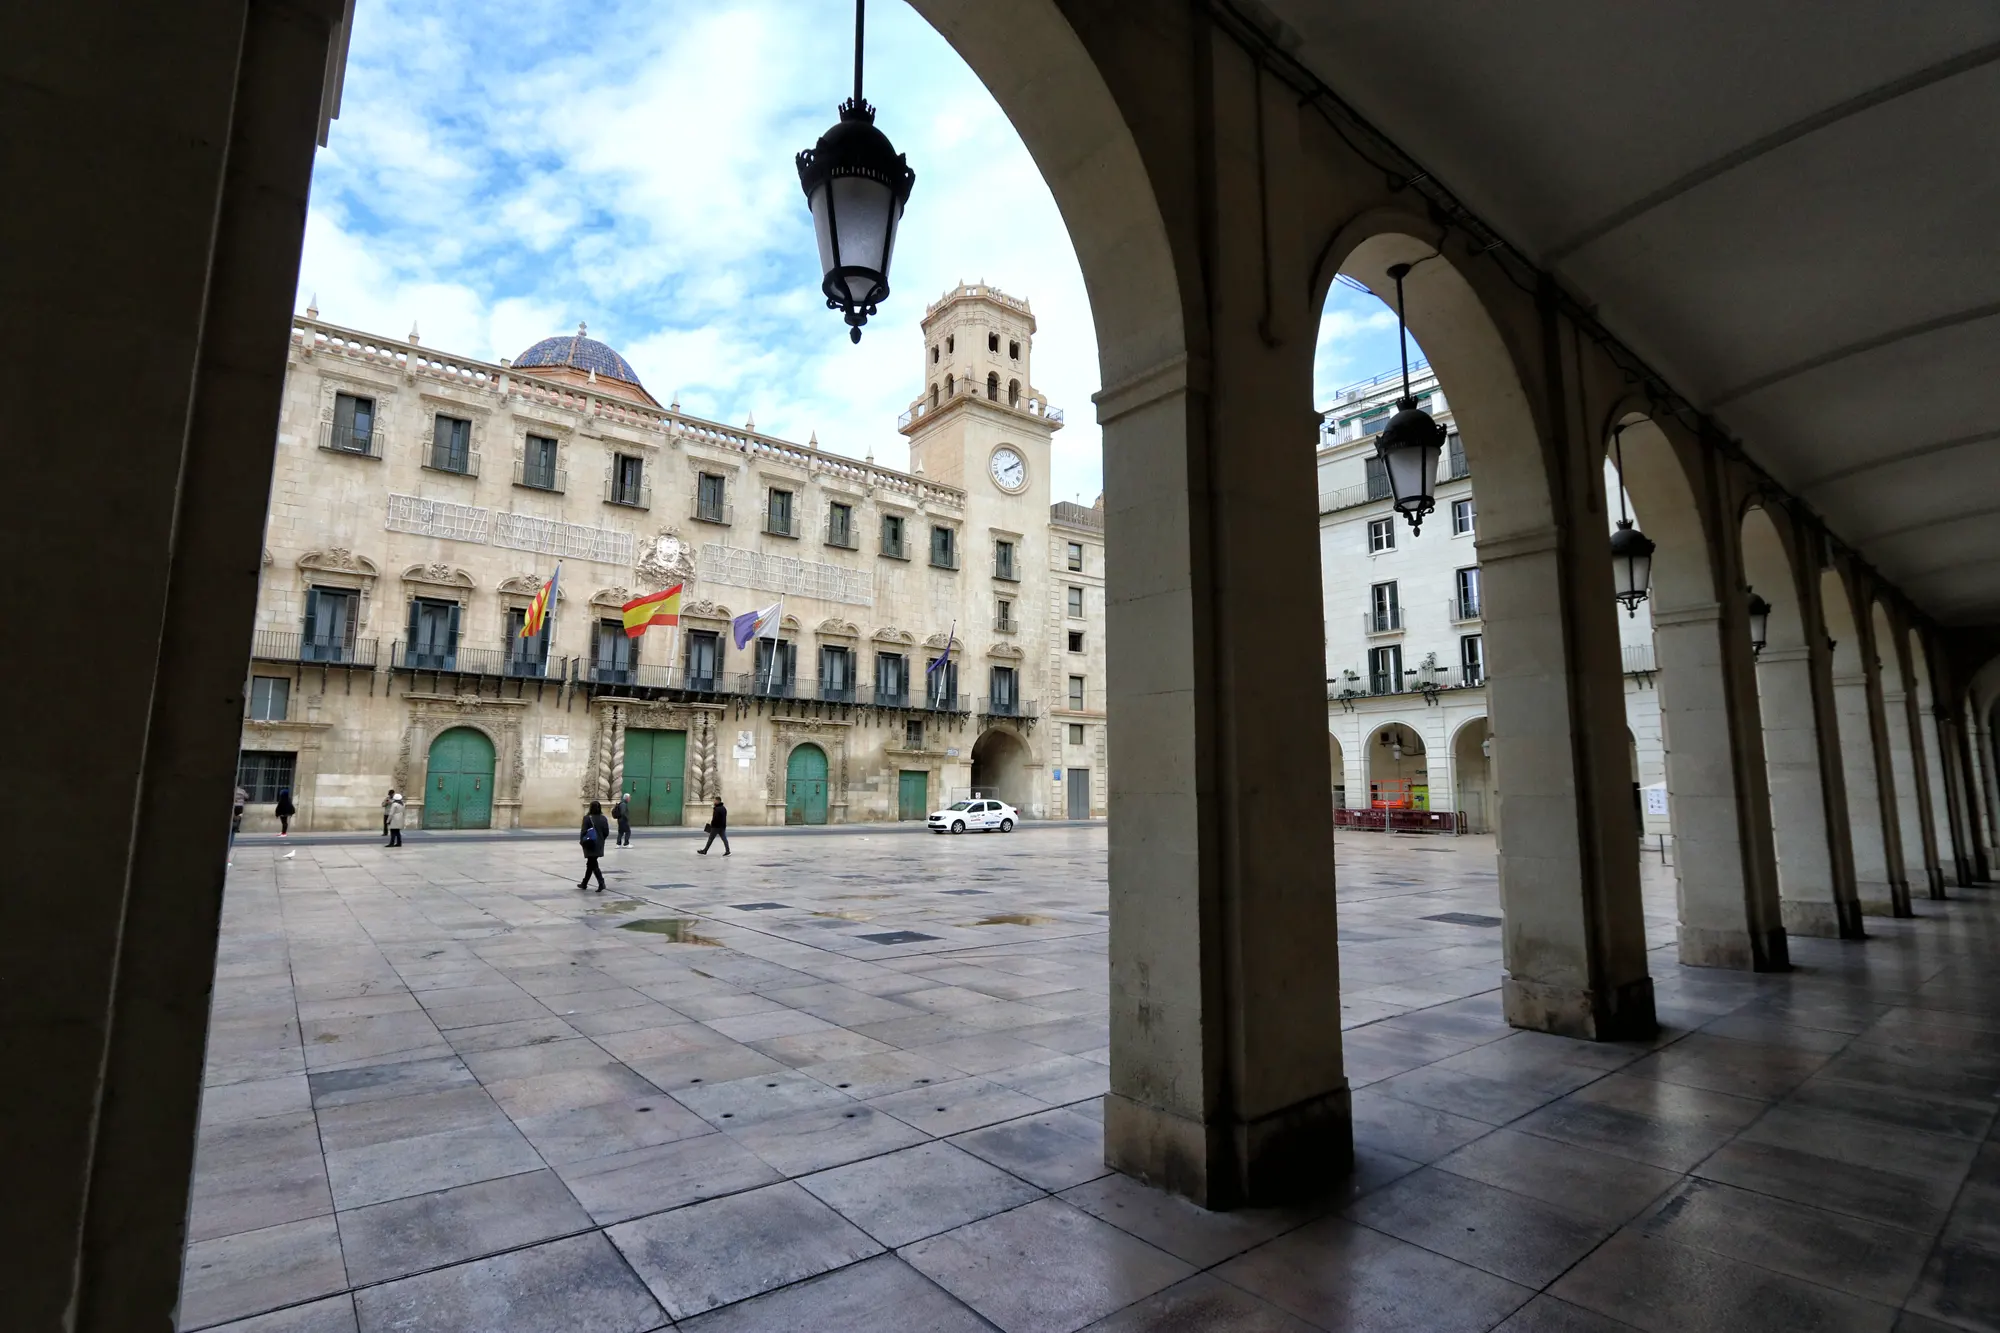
{"x":1405,"y":650}
{"x":420,"y":499}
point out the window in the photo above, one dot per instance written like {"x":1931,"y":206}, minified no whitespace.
{"x":840,"y":525}
{"x":1378,"y":477}
{"x":265,"y":773}
{"x":992,"y":342}
{"x":1076,"y":733}
{"x":950,"y":385}
{"x":913,"y":733}
{"x":1454,"y":457}
{"x":950,"y":342}
{"x":934,"y":396}
{"x":1013,"y":350}
{"x":941,"y":682}
{"x":270,"y":698}
{"x":330,"y":623}
{"x":538,"y":464}
{"x":892,"y":536}
{"x":529,"y":656}
{"x":1076,"y":556}
{"x":944,"y":548}
{"x":1003,"y":560}
{"x":1468,"y":593}
{"x":1376,"y":426}
{"x":1461,"y":517}
{"x":934,"y":354}
{"x":892,"y":681}
{"x":1386,"y":612}
{"x":993,"y":386}
{"x":836,"y":674}
{"x":1076,"y":640}
{"x":628,"y":480}
{"x":353,"y":424}
{"x":710,"y":498}
{"x":1076,"y":603}
{"x":1076,"y":693}
{"x":1385,"y":670}
{"x":1003,"y":615}
{"x":777,"y":668}
{"x":1003,"y":691}
{"x":433,"y":641}
{"x":1472,"y":659}
{"x":778,"y":513}
{"x":612,"y":655}
{"x":1381,"y":535}
{"x":451,"y":444}
{"x":1013,"y":393}
{"x":704,"y":659}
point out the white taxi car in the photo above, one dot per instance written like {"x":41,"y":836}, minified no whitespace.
{"x":978,"y":815}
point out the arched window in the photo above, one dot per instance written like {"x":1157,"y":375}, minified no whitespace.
{"x":950,"y":342}
{"x":949,"y":385}
{"x":933,"y":353}
{"x":1013,"y":393}
{"x":934,"y":399}
{"x":993,"y":386}
{"x":992,"y":342}
{"x":1013,"y":350}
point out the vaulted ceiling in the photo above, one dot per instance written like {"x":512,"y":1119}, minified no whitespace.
{"x":1791,"y":211}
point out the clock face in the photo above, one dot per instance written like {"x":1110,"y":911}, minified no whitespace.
{"x":1010,"y":470}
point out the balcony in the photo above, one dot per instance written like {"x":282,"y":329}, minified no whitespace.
{"x":944,"y":559}
{"x":458,"y":462}
{"x":1639,"y":659}
{"x":631,"y":494}
{"x":551,"y":479}
{"x":896,"y":549}
{"x":1382,"y":621}
{"x":1472,"y":675}
{"x":1006,"y":569}
{"x":892,"y":696}
{"x":338,"y":439}
{"x":711,"y":511}
{"x":1006,"y":624}
{"x":269,"y":646}
{"x":778,"y":524}
{"x":1463,"y":610}
{"x":842,"y":534}
{"x":1003,"y":705}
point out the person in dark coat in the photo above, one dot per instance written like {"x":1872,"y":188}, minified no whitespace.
{"x":595,"y":833}
{"x":622,"y":812}
{"x":718,"y":827}
{"x":284,"y":811}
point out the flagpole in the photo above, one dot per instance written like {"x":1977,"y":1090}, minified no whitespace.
{"x":777,"y":641}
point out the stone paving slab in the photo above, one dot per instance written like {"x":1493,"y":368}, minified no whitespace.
{"x":854,"y":1081}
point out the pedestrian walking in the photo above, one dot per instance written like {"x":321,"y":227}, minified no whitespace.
{"x":284,"y":810}
{"x":236,"y":815}
{"x":622,"y":812}
{"x":387,"y":801}
{"x":595,"y":833}
{"x":395,"y":818}
{"x":718,"y":827}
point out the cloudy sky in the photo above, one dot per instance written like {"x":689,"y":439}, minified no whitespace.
{"x":500,"y":172}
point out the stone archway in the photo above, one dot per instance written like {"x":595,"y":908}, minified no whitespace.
{"x":1472,"y":784}
{"x":1000,"y":767}
{"x":1399,"y":768}
{"x":1903,"y":750}
{"x":1338,"y":763}
{"x":1879,"y":883}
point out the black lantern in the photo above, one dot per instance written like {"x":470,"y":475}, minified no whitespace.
{"x":856,"y":184}
{"x":1760,"y":621}
{"x":1409,"y":446}
{"x":1631,"y":549}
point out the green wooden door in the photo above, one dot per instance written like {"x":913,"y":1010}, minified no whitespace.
{"x":913,"y":795}
{"x":805,"y":786}
{"x":656,"y":775}
{"x":460,"y":778}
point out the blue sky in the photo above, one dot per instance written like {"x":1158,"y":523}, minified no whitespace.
{"x":499,"y":173}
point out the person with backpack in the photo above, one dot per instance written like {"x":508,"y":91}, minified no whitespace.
{"x":622,"y":812}
{"x":718,"y":827}
{"x":595,"y":833}
{"x":395,"y":819}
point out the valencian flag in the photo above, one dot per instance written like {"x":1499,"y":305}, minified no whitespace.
{"x":662,"y":608}
{"x":758,"y":624}
{"x":940,"y":667}
{"x":538,"y":610}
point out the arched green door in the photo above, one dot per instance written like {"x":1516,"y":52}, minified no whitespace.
{"x":805,"y":786}
{"x":655,"y":769}
{"x":459,"y":793}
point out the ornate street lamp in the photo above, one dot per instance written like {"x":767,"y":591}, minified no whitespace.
{"x":1631,"y":549}
{"x":1760,"y":620}
{"x":1409,"y":447}
{"x":856,"y":184}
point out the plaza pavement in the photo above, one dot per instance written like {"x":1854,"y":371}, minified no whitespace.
{"x":851,"y":1081}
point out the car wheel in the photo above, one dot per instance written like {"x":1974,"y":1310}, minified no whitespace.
{"x":958,"y":826}
{"x":1006,"y":826}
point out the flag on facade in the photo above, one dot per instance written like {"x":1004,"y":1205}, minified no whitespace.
{"x":661,"y":608}
{"x":759,"y":624}
{"x":538,"y":610}
{"x":939,"y":667}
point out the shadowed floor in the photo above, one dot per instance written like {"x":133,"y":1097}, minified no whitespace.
{"x":852,"y":1082}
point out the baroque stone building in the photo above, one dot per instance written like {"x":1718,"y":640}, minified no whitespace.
{"x":420,"y":500}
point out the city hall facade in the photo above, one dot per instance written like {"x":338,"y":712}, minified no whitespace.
{"x":420,"y":501}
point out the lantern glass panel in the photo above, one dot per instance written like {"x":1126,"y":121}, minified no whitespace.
{"x":862,"y":209}
{"x":1412,"y":473}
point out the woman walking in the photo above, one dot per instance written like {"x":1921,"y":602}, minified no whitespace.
{"x":284,"y":810}
{"x":394,"y":819}
{"x":718,"y":827}
{"x":595,"y":833}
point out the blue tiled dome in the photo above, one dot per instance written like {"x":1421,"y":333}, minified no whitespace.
{"x":577,"y":352}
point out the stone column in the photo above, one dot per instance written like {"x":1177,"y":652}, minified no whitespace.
{"x":1879,"y":893}
{"x":1986,"y":791}
{"x":1810,"y":902}
{"x":1943,"y":824}
{"x":1729,"y":918}
{"x":1903,"y":791}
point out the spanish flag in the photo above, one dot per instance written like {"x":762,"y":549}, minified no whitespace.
{"x":662,"y":608}
{"x":538,"y":610}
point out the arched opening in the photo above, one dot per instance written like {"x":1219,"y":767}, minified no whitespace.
{"x":1930,"y":739}
{"x":458,"y":781}
{"x":1902,"y":746}
{"x":992,"y":386}
{"x":1337,"y":761}
{"x":1398,"y":769}
{"x":805,"y":785}
{"x":1816,"y":899}
{"x":1013,"y":393}
{"x":1879,"y":885}
{"x":1472,"y":776}
{"x":934,"y":392}
{"x":1000,"y":762}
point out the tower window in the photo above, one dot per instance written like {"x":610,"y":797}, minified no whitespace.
{"x":1013,"y":350}
{"x":933,"y":395}
{"x":993,"y":386}
{"x":1013,"y":393}
{"x":950,"y":342}
{"x":992,"y":342}
{"x":934,"y":354}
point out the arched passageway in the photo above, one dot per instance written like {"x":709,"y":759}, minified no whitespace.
{"x":1472,"y":775}
{"x":1000,"y":762}
{"x":1879,"y":885}
{"x":1913,"y":842}
{"x":1399,"y":769}
{"x":1337,"y":761}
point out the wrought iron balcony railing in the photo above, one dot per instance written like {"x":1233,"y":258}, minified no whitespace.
{"x":338,"y":439}
{"x":275,"y":646}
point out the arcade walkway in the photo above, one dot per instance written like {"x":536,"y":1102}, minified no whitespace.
{"x":447,"y":1092}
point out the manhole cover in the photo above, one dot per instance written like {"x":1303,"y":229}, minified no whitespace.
{"x":896,"y":937}
{"x":1464,"y":919}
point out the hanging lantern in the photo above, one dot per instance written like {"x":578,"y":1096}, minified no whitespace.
{"x":1760,"y":621}
{"x":1409,"y":446}
{"x":1631,"y":549}
{"x":856,"y":185}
